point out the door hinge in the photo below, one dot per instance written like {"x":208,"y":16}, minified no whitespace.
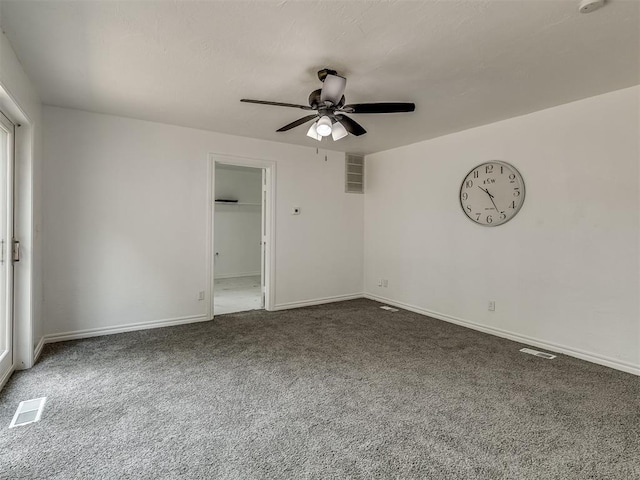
{"x":15,"y":251}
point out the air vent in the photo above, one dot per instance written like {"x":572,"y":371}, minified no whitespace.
{"x":354,"y":173}
{"x":28,"y":411}
{"x":530,"y":351}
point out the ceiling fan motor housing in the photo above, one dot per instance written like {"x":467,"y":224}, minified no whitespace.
{"x":315,"y":103}
{"x":314,"y":98}
{"x":322,"y":74}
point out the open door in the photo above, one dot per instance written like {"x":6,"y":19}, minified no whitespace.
{"x":6,"y":247}
{"x":263,"y":239}
{"x":241,"y":189}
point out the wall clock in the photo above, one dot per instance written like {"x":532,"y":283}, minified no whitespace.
{"x":492,"y":193}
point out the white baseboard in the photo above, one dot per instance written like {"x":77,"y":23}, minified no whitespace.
{"x":6,"y":377}
{"x":237,"y":275}
{"x":572,"y":352}
{"x":97,"y":332}
{"x":317,"y":301}
{"x":38,"y":351}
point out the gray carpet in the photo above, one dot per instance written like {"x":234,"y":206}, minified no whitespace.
{"x":337,"y":391}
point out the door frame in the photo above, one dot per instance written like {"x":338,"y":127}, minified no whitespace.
{"x":7,"y":250}
{"x":28,"y":337}
{"x":269,"y":168}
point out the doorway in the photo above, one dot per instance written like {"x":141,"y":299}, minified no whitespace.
{"x":6,"y":247}
{"x":241,"y":231}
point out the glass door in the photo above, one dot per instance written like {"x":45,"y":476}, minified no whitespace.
{"x":6,"y":242}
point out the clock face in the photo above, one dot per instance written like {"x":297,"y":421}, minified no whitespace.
{"x":492,"y":193}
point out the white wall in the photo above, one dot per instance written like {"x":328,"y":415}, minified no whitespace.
{"x":21,"y":101}
{"x":125,"y":212}
{"x":238,"y":229}
{"x":563,"y":273}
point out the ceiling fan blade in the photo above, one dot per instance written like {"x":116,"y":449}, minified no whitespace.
{"x":333,"y":88}
{"x":277,"y":104}
{"x":353,"y":127}
{"x":300,"y":121}
{"x":388,"y":107}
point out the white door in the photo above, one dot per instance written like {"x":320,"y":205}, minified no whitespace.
{"x":6,"y":242}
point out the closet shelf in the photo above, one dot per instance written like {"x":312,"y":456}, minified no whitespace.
{"x":237,"y":203}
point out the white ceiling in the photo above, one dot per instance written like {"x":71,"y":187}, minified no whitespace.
{"x":464,"y":63}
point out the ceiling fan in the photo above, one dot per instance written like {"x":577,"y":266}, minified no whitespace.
{"x":328,"y":103}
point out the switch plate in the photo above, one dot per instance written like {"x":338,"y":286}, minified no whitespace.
{"x":385,"y":283}
{"x":492,"y":306}
{"x":201,"y":295}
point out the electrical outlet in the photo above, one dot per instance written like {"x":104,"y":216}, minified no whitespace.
{"x":201,"y":295}
{"x":379,"y":282}
{"x":492,"y":306}
{"x":385,"y":283}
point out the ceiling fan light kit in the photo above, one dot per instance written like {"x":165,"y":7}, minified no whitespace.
{"x":329,"y":105}
{"x":338,"y":131}
{"x":318,"y":129}
{"x":313,"y":132}
{"x":324,"y":126}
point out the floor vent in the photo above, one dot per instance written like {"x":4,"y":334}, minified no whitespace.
{"x":28,"y":411}
{"x":389,"y":309}
{"x":546,"y":355}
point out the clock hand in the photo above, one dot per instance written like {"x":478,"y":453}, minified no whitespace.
{"x":494,"y":203}
{"x":491,"y":197}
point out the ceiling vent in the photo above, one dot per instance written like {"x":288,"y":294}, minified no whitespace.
{"x":354,"y":173}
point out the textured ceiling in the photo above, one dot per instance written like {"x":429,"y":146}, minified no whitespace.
{"x":464,"y":63}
